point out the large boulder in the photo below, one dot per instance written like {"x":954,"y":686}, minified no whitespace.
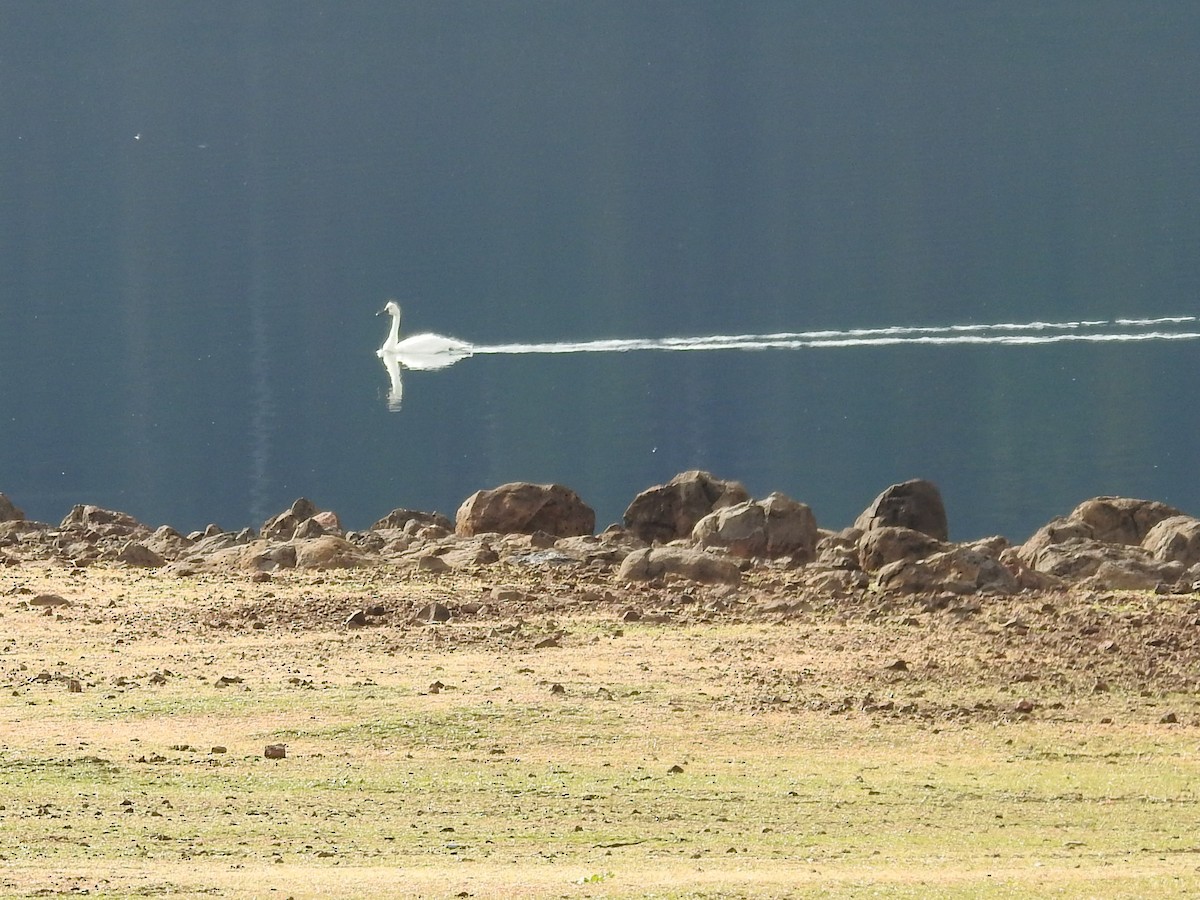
{"x":887,"y":544}
{"x":1115,"y":543}
{"x":1103,"y":565}
{"x":1121,"y":520}
{"x":958,"y":570}
{"x":9,"y":512}
{"x":915,"y":504}
{"x":695,"y":565}
{"x":105,"y":522}
{"x":329,"y":552}
{"x":256,"y":555}
{"x":1175,"y":539}
{"x":523,"y":508}
{"x":138,"y":555}
{"x":1057,"y":531}
{"x":670,"y":511}
{"x":774,"y":527}
{"x":283,"y":526}
{"x":838,"y":549}
{"x":167,"y":542}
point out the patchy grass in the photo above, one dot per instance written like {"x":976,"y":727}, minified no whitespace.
{"x":730,"y":759}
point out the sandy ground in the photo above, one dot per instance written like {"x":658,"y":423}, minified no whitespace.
{"x":514,"y":720}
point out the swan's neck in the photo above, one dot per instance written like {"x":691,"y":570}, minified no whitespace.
{"x":394,"y":335}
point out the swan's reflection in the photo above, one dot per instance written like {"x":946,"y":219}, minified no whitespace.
{"x":421,"y":351}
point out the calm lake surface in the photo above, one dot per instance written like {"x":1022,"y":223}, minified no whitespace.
{"x":202,"y":207}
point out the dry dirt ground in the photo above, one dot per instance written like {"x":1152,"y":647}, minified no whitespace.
{"x":564,"y":736}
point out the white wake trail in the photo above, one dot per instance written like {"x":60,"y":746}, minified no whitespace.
{"x":1006,"y":333}
{"x":430,"y":351}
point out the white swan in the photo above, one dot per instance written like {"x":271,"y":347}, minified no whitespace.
{"x":421,"y":351}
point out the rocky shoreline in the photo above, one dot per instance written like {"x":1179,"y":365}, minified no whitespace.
{"x":696,"y":528}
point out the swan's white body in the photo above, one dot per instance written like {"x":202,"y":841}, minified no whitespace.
{"x":421,"y":351}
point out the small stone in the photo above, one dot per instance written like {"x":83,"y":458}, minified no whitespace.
{"x":75,"y":686}
{"x":557,"y":688}
{"x":508,"y":595}
{"x":552,"y":641}
{"x":260,"y":577}
{"x":541,"y":540}
{"x":897,"y":665}
{"x":275,"y":751}
{"x":631,"y":615}
{"x":1169,"y":719}
{"x":436,"y":688}
{"x":432,"y":564}
{"x":356,"y":619}
{"x":376,"y":610}
{"x":49,"y":600}
{"x":433,"y":612}
{"x":1024,"y":707}
{"x":675,"y":770}
{"x":218,"y":749}
{"x":226,"y":680}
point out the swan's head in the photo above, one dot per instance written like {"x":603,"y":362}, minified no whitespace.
{"x":392,"y":308}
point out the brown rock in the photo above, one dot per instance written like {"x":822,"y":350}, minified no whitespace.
{"x":102,"y":521}
{"x":695,"y":565}
{"x":399,"y":518}
{"x":886,"y":544}
{"x":433,"y":612}
{"x":1107,"y":566}
{"x":329,"y":522}
{"x":329,"y":552}
{"x":838,"y":550}
{"x":167,"y":542}
{"x":523,"y":508}
{"x":1121,"y":520}
{"x":139,"y":555}
{"x":48,"y":600}
{"x":957,"y":570}
{"x":309,"y":528}
{"x":434,"y":565}
{"x":775,"y":527}
{"x":356,"y":619}
{"x":9,"y":512}
{"x":670,"y":511}
{"x":915,"y":504}
{"x":283,"y":526}
{"x":1174,"y":539}
{"x":275,"y":751}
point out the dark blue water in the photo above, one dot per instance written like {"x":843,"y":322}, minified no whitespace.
{"x":202,"y":206}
